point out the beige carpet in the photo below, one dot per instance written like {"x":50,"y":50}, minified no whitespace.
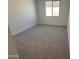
{"x":43,"y":42}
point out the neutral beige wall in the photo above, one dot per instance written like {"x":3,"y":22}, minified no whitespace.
{"x":22,"y":15}
{"x":61,"y":20}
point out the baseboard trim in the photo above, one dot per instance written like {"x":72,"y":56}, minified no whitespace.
{"x":25,"y":30}
{"x":39,"y":24}
{"x":13,"y":55}
{"x":53,"y":25}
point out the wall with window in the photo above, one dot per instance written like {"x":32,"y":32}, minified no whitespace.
{"x":61,"y":19}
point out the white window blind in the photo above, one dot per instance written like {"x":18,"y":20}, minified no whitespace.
{"x":52,"y":8}
{"x":55,"y":8}
{"x":48,"y":8}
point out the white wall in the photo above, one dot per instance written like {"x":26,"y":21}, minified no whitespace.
{"x":61,"y":20}
{"x":22,"y":15}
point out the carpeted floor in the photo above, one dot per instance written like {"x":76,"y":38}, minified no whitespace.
{"x":43,"y":42}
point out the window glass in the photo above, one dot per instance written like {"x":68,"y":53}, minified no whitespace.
{"x":48,"y":5}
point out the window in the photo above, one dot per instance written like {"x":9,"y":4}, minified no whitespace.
{"x":48,"y":8}
{"x":55,"y":8}
{"x":52,"y":8}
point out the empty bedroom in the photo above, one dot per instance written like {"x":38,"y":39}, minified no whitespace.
{"x":38,"y":29}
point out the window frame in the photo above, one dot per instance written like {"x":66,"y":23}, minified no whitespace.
{"x":53,"y":12}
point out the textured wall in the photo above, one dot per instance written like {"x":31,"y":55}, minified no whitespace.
{"x":22,"y":15}
{"x":61,"y":20}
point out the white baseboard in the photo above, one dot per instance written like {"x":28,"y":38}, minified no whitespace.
{"x":13,"y":55}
